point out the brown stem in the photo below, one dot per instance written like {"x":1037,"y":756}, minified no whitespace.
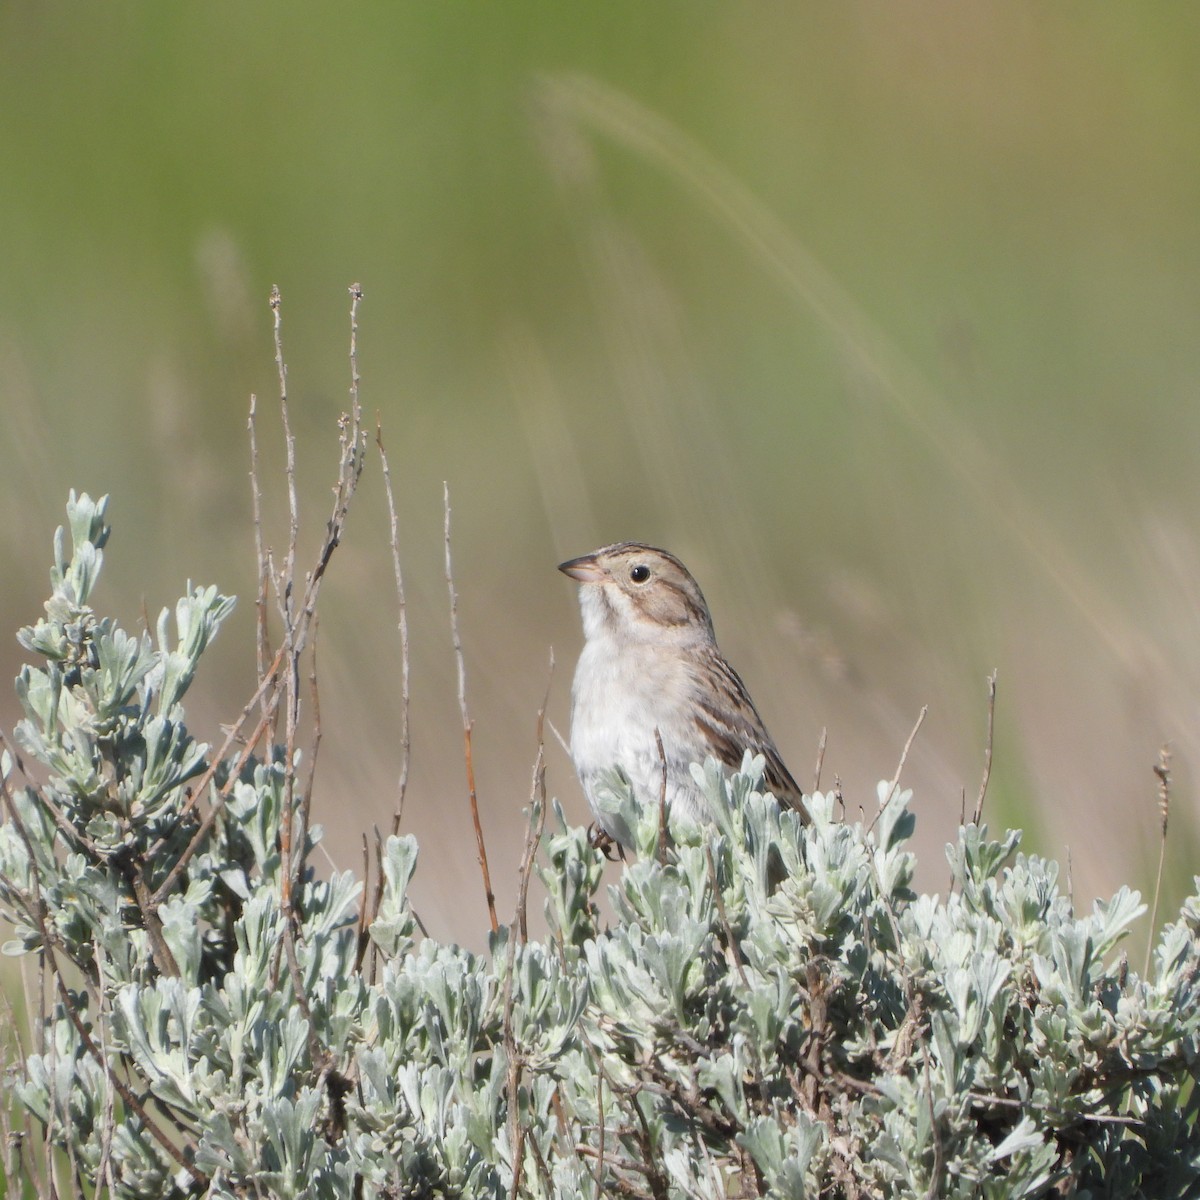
{"x":481,"y":849}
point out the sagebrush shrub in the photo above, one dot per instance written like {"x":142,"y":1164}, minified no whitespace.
{"x":219,"y":1021}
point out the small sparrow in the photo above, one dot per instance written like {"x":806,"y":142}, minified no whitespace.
{"x":650,"y":663}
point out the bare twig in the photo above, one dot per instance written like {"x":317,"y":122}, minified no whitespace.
{"x":264,"y":688}
{"x":164,"y":960}
{"x":271,"y":690}
{"x":306,"y":792}
{"x":558,"y":737}
{"x":298,"y":627}
{"x":662,"y":800}
{"x":260,"y":553}
{"x":816,"y":787}
{"x":366,"y":912}
{"x":376,"y":901}
{"x":317,"y":1052}
{"x":987,"y":749}
{"x":481,"y":849}
{"x":289,"y":569}
{"x":1162,"y":771}
{"x":402,"y":626}
{"x":537,"y":813}
{"x":284,"y":591}
{"x":891,"y":791}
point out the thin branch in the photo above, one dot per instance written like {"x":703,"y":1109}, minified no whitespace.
{"x":1162,"y":771}
{"x":260,"y":552}
{"x":891,"y":791}
{"x":537,"y":813}
{"x":364,"y":907}
{"x":662,"y":800}
{"x":164,"y":888}
{"x":306,"y":793}
{"x":164,"y":960}
{"x":481,"y":849}
{"x":289,"y":569}
{"x":987,"y":749}
{"x":402,"y":626}
{"x":297,"y":628}
{"x":284,"y":589}
{"x":558,"y":737}
{"x":816,"y":787}
{"x":376,"y":901}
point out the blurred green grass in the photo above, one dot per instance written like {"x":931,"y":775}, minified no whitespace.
{"x":559,"y":323}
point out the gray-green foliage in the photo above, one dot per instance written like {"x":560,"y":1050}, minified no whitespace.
{"x":772,"y":1011}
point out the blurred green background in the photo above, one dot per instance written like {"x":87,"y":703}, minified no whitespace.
{"x":883,"y":318}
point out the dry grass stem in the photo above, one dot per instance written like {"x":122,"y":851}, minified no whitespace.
{"x":1162,"y":772}
{"x":816,"y":787}
{"x":987,"y":748}
{"x":537,"y":812}
{"x":402,"y":627}
{"x":892,"y":786}
{"x":473,"y":800}
{"x":260,"y":551}
{"x":284,"y":593}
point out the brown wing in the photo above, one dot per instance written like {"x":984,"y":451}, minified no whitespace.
{"x":732,"y":726}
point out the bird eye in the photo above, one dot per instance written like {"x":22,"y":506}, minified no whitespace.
{"x":639,"y":573}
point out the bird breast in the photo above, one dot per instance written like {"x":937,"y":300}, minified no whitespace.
{"x":621,"y":695}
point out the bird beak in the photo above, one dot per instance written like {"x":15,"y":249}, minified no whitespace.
{"x":585,"y":569}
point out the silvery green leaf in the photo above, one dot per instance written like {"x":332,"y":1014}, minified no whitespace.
{"x":86,"y":518}
{"x":1112,"y":918}
{"x":393,"y":927}
{"x":180,"y":929}
{"x":896,"y":822}
{"x":613,"y":796}
{"x":197,"y":619}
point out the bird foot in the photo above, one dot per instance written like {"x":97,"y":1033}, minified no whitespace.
{"x":605,"y":843}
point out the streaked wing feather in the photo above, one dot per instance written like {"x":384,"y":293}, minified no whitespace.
{"x":731,"y":726}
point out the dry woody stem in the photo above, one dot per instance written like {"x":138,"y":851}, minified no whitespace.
{"x":472,"y":799}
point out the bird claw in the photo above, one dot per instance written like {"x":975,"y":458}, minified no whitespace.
{"x":605,"y":843}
